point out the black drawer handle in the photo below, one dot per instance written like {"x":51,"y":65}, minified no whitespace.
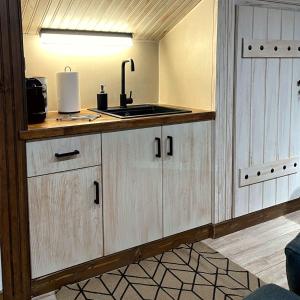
{"x":62,"y":155}
{"x":97,"y":185}
{"x":170,"y":153}
{"x":158,"y":154}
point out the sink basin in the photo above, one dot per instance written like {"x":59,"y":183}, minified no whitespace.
{"x":144,"y":110}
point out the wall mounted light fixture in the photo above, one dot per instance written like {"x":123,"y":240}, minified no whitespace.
{"x":84,"y":43}
{"x":84,"y":37}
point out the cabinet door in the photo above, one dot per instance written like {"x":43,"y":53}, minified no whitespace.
{"x":132,"y":188}
{"x":186,"y":176}
{"x":65,"y":221}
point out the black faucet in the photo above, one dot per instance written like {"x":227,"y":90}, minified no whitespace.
{"x":123,"y":97}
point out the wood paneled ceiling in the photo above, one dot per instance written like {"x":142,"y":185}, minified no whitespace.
{"x":147,"y":19}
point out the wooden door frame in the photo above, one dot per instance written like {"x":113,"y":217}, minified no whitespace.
{"x":13,"y":190}
{"x":224,"y":126}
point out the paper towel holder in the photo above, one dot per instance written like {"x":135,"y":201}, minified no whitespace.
{"x":68,"y":68}
{"x":68,"y":91}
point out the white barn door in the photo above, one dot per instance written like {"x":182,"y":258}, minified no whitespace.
{"x":267,"y":109}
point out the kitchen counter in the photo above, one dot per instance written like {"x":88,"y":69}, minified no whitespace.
{"x":54,"y":128}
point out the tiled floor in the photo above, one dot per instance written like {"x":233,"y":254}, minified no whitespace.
{"x":260,"y":249}
{"x":185,"y":273}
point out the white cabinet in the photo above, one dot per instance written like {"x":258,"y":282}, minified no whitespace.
{"x":65,"y":221}
{"x":132,"y":188}
{"x":147,"y":184}
{"x":155,"y":182}
{"x":186,"y":176}
{"x":65,"y":202}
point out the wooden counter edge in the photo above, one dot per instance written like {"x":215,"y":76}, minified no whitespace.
{"x":116,"y":125}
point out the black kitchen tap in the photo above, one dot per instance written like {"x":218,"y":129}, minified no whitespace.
{"x":123,"y":97}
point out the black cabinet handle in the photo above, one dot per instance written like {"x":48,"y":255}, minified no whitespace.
{"x":158,"y":147}
{"x":68,"y":154}
{"x":170,"y":153}
{"x":97,"y":200}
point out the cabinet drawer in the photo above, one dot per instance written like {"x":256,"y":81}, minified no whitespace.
{"x":57,"y":155}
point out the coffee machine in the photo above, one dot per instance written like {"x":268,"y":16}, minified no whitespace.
{"x":36,"y":91}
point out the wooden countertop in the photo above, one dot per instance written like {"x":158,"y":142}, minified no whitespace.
{"x":54,"y":128}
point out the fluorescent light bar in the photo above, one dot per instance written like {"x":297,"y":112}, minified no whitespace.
{"x":87,"y":38}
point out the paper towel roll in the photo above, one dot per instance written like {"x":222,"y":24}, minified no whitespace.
{"x":68,"y":92}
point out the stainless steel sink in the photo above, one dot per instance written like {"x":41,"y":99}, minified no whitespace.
{"x":144,"y":110}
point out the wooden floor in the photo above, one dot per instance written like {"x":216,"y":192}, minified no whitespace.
{"x":260,"y":249}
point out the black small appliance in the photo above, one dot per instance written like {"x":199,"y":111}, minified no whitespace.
{"x":36,"y":100}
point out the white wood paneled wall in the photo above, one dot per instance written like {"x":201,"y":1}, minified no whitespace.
{"x":224,"y":189}
{"x":223,"y":146}
{"x":267,"y":108}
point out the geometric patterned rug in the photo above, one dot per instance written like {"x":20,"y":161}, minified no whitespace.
{"x":188,"y":272}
